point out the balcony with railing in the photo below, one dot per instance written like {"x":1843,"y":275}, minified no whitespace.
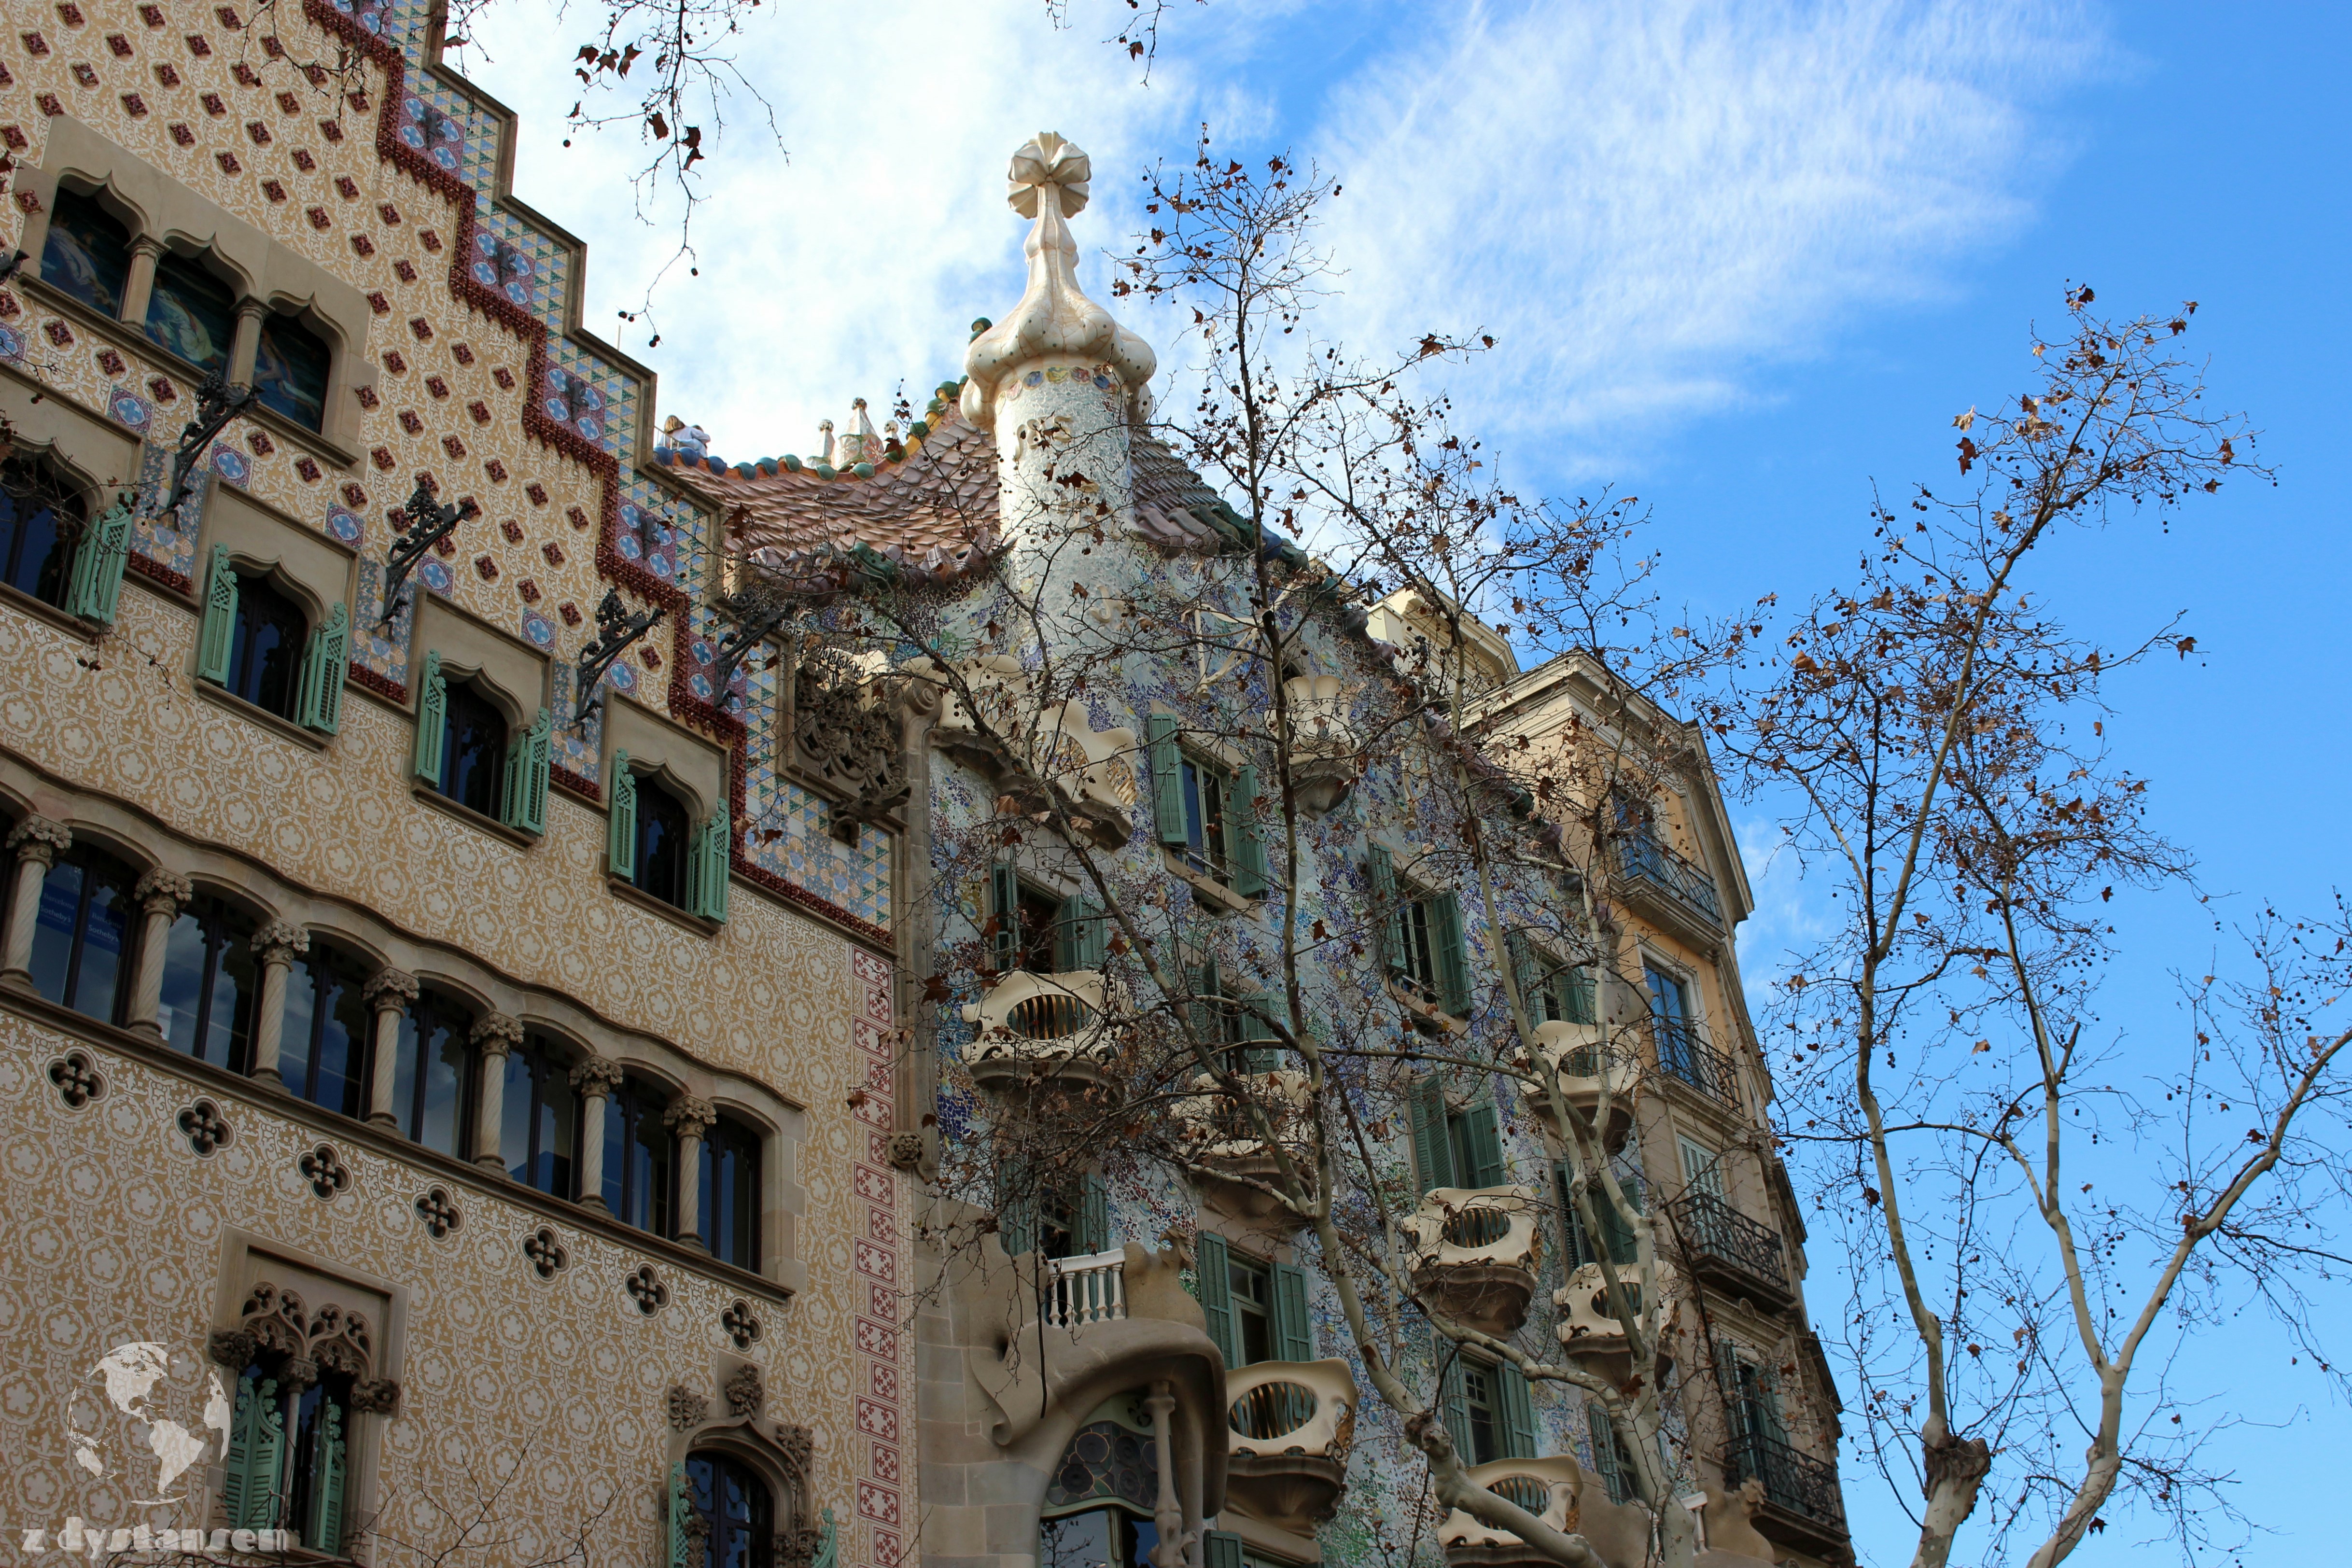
{"x":1672,"y":888}
{"x":1231,"y":1159}
{"x":1726,"y":1250}
{"x":1550,"y":1488}
{"x":1475,"y":1253}
{"x":1801,"y":1507}
{"x":1041,"y":1028}
{"x":1586,"y":1320}
{"x":1086,"y":1290}
{"x":1291,"y":1426}
{"x":1685,"y":1056}
{"x":1590,"y":1067}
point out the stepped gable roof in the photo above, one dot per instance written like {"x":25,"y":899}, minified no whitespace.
{"x":933,"y":507}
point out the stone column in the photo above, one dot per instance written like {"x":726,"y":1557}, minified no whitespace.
{"x":140,"y":286}
{"x":160,"y":895}
{"x":688,"y":1119}
{"x":1167,"y":1512}
{"x":496,"y":1036}
{"x":389,"y":992}
{"x":277,"y":945}
{"x":34,"y":843}
{"x":246,"y":347}
{"x":595,"y":1081}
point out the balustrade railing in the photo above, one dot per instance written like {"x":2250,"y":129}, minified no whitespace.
{"x":1684,"y":1053}
{"x":1641,"y":857}
{"x":1712,"y":1230}
{"x":1091,"y":1288}
{"x":1795,"y":1481}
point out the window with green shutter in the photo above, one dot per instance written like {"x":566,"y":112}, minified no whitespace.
{"x":1609,"y":1455}
{"x":1161,"y":754}
{"x":1094,"y":1215}
{"x":1514,"y":1408}
{"x":1462,"y":1418}
{"x":257,"y":1453}
{"x":1617,"y":1237}
{"x":1214,"y":1271}
{"x":1081,"y":935}
{"x":525,"y":795}
{"x":1294,"y":1330}
{"x":324,"y":666}
{"x":96,"y":586}
{"x":708,"y":866}
{"x":1423,"y":944}
{"x":216,"y":633}
{"x":432,"y":724}
{"x":1432,"y":1139}
{"x":1246,"y":843}
{"x":1222,"y":1549}
{"x":1478,"y":1137}
{"x":1553,"y":992}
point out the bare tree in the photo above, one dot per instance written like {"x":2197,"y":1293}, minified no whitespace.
{"x":1939,"y":736}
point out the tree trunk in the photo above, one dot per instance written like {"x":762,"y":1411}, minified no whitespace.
{"x":1957,"y":1468}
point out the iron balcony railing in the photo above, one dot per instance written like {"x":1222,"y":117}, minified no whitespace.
{"x":1684,"y":1053}
{"x":1712,"y":1231}
{"x":1642,"y":859}
{"x":1797,"y":1482}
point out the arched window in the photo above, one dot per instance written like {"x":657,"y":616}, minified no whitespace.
{"x":322,"y":1057}
{"x":433,"y":1076}
{"x":663,"y":844}
{"x":728,"y":1202}
{"x":289,"y":370}
{"x":210,"y":982}
{"x":638,"y":1156}
{"x":737,"y":1510}
{"x":192,"y":312}
{"x":541,"y":1117}
{"x":81,"y":931}
{"x":87,"y":253}
{"x":1099,"y":1498}
{"x":266,"y":647}
{"x":473,"y":749}
{"x":41,"y":517}
{"x":289,"y":1457}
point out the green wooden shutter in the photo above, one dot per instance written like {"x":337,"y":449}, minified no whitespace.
{"x":709,"y":868}
{"x":1016,"y":1222}
{"x":257,"y":1454}
{"x":526,"y":768}
{"x":1094,"y":1215}
{"x":323,"y":1530}
{"x":1453,"y":955}
{"x":1207,"y":1005}
{"x":96,"y":586}
{"x":1526,"y":973}
{"x":432,"y":719}
{"x":1387,"y":908}
{"x":1217,"y":1295}
{"x":1294,"y":1335}
{"x":323,"y":668}
{"x":1454,"y":1400}
{"x":1433,"y":1149}
{"x":678,"y":1515}
{"x":1221,"y":1548}
{"x":1576,"y":1243}
{"x":1606,"y":1458}
{"x":1005,"y":909}
{"x":1167,"y":782}
{"x":1246,"y":849}
{"x":621,"y":832}
{"x":1615,"y":1233}
{"x":1486,"y":1144}
{"x":1257,"y":1027}
{"x":1516,"y":1409}
{"x":1081,"y":935}
{"x":218,"y":635}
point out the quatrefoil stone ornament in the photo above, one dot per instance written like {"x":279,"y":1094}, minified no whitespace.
{"x":325,"y":1171}
{"x":546,"y":1254}
{"x":741,"y":1325}
{"x":78,"y":1082}
{"x":206,"y":1129}
{"x":645,"y":1288}
{"x":438,"y":1211}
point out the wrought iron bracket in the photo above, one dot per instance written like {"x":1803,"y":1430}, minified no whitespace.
{"x":430,"y":523}
{"x":218,"y":403}
{"x":615,"y":630}
{"x":732,"y":649}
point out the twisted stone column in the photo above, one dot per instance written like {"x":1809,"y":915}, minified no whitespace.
{"x":36,"y":842}
{"x":277,"y":945}
{"x":689,"y":1119}
{"x":594,"y":1080}
{"x":161,"y":895}
{"x":389,"y":992}
{"x":496,"y":1036}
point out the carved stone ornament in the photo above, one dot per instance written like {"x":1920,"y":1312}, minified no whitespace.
{"x":746,"y":1393}
{"x":161,"y":892}
{"x":280,"y":942}
{"x":206,"y":1129}
{"x":798,"y":1548}
{"x":741,"y":1325}
{"x":597,"y":1077}
{"x":275,"y":1328}
{"x":646,"y":1289}
{"x":439,"y":1212}
{"x":906,"y":1150}
{"x":232,"y":1348}
{"x":376,"y":1396}
{"x":687,"y":1407}
{"x":325,"y":1171}
{"x":847,"y":742}
{"x":38,"y":838}
{"x":799,"y":1445}
{"x":78,"y":1082}
{"x":390,"y":990}
{"x":690,"y":1116}
{"x":498,"y":1034}
{"x":546,"y":1254}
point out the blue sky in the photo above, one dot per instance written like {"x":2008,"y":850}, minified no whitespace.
{"x":1742,"y":260}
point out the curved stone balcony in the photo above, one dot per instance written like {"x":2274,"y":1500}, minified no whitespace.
{"x":1475,"y":1250}
{"x":1589,"y":1065}
{"x":1005,"y":726}
{"x":1233,"y":1160}
{"x":1551,"y":1489}
{"x":1040,"y":1028}
{"x":1291,"y":1425}
{"x":1326,"y":751}
{"x":1585,"y":1322}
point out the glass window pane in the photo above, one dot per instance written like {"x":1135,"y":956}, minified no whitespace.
{"x":295,"y":1034}
{"x":341,"y":1079}
{"x":1077,"y":1540}
{"x":266,"y":655}
{"x":87,"y":254}
{"x":53,"y":929}
{"x":559,"y":1122}
{"x":474,"y":755}
{"x":439,"y":1121}
{"x":184,"y":982}
{"x":105,"y":930}
{"x":192,"y":312}
{"x":662,"y":834}
{"x":515,"y":1109}
{"x":289,"y":370}
{"x":39,"y":519}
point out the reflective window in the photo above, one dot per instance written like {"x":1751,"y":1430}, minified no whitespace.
{"x":1253,"y":1298}
{"x":289,"y":370}
{"x":40,"y":519}
{"x":474,"y":751}
{"x":264,"y":660}
{"x":1478,"y":1399}
{"x":1204,"y":816}
{"x":730,"y":1200}
{"x":637,"y":1157}
{"x":662,"y":849}
{"x":737,"y":1510}
{"x":541,"y":1117}
{"x":322,"y":1057}
{"x":211,"y":980}
{"x":192,"y":312}
{"x":1099,"y":1538}
{"x":433,"y":1075}
{"x":81,"y":932}
{"x":87,"y":253}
